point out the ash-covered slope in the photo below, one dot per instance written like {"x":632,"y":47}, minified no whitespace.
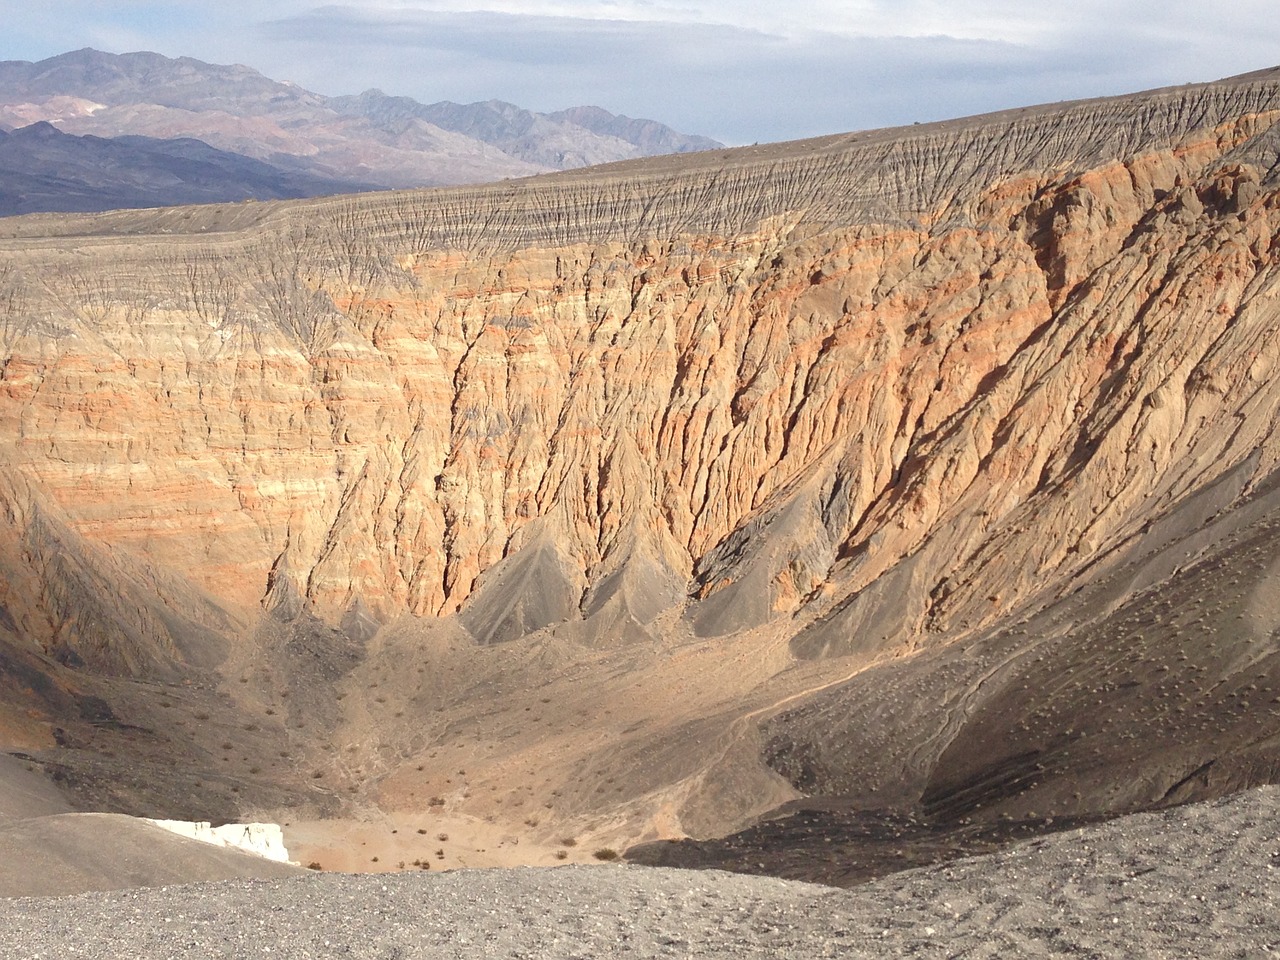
{"x":870,"y":408}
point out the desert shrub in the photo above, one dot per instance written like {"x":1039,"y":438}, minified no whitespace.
{"x":606,"y":853}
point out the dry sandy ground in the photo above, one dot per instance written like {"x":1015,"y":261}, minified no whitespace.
{"x":1199,"y":881}
{"x":421,"y":841}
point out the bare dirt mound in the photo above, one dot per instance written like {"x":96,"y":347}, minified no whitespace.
{"x":76,"y":852}
{"x":25,"y":792}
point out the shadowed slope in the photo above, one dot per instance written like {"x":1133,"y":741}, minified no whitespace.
{"x":45,"y":170}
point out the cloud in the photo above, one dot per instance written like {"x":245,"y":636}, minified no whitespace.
{"x":712,"y":69}
{"x":732,"y":69}
{"x":564,"y":43}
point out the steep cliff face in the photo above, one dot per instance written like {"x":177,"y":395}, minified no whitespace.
{"x":967,"y":359}
{"x":872,"y":394}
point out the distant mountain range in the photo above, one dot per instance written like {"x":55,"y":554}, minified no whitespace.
{"x":128,"y":123}
{"x":45,"y":170}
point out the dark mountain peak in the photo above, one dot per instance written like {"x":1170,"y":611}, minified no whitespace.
{"x":40,"y":130}
{"x":373,"y":102}
{"x":140,"y":64}
{"x":90,"y":66}
{"x":85,"y":56}
{"x":43,"y":169}
{"x":78,"y":68}
{"x":504,"y":107}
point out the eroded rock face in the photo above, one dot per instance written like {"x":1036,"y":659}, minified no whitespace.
{"x":897,"y":407}
{"x":964,"y":360}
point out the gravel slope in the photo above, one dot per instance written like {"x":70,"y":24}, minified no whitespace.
{"x":1199,"y":881}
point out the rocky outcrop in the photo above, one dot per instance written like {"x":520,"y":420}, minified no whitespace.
{"x":960,"y":358}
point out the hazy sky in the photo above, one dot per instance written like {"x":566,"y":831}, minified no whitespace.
{"x":738,"y":70}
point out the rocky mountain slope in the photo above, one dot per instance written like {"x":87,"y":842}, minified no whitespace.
{"x":371,"y":139}
{"x":578,"y":137}
{"x":926,"y":475}
{"x":45,"y":170}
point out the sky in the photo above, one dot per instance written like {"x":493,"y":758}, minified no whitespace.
{"x":741,"y":71}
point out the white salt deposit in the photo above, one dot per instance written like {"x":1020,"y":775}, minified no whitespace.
{"x":263,"y":839}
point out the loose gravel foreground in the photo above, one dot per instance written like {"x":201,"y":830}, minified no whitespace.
{"x":1201,"y":881}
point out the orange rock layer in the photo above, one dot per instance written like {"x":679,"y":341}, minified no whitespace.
{"x":880,"y":389}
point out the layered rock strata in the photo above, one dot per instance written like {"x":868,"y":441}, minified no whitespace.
{"x":873,"y":393}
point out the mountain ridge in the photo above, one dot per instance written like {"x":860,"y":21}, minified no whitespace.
{"x":47,"y":171}
{"x":365,"y":139}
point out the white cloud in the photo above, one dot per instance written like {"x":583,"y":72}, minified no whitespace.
{"x":1015,"y":21}
{"x":740,"y":70}
{"x":720,"y":69}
